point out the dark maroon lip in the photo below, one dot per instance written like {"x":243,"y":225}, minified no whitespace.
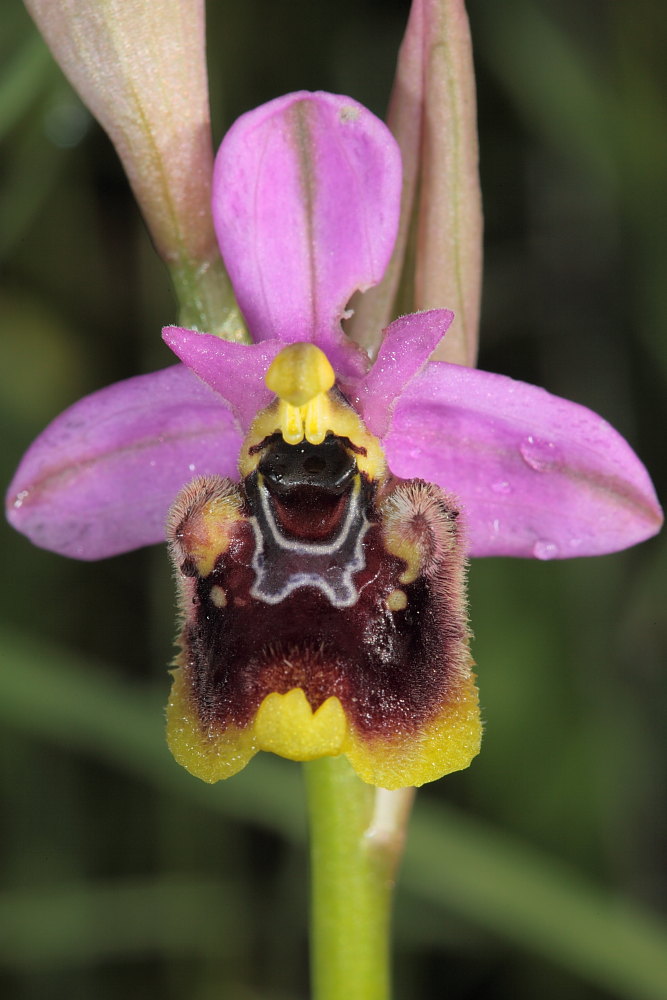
{"x":305,"y":593}
{"x":391,"y":670}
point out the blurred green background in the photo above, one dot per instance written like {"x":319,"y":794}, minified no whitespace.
{"x":541,"y":870}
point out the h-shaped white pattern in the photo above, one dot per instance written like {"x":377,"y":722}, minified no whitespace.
{"x":282,"y":564}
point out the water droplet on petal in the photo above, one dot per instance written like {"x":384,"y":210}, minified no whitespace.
{"x":501,"y":486}
{"x":538,"y":454}
{"x":496,"y":526}
{"x":19,"y":498}
{"x":192,"y":467}
{"x":545,"y":550}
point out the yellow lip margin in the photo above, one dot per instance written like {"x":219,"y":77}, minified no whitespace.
{"x":447,"y":743}
{"x":286,"y":725}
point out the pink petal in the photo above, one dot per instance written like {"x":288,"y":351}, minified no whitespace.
{"x":407,"y":345}
{"x":537,"y":475}
{"x":306,"y":196}
{"x":235,"y":371}
{"x":100,"y":479}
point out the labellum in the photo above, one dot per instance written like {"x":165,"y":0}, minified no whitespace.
{"x":323,"y":600}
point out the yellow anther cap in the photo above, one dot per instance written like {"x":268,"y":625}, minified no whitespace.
{"x":300,"y":373}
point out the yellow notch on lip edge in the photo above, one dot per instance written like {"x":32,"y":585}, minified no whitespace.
{"x":300,"y":376}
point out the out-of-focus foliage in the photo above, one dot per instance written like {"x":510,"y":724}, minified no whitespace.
{"x":540,"y":871}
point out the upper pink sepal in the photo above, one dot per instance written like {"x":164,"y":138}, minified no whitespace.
{"x":537,"y":475}
{"x":101,"y":478}
{"x":306,"y":196}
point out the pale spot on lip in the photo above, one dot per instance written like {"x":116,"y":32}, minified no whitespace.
{"x":397,"y":600}
{"x":218,"y":597}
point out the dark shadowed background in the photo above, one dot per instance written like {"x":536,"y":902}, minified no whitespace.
{"x":538,"y":872}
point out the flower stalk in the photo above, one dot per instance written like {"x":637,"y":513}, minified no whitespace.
{"x":357,"y":835}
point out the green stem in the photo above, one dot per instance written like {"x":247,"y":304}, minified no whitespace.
{"x":206,"y":300}
{"x":353,"y":858}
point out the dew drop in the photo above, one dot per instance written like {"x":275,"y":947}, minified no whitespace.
{"x":501,"y":486}
{"x":545,"y":550}
{"x":66,"y":123}
{"x":20,"y":497}
{"x":539,"y":455}
{"x":192,"y":467}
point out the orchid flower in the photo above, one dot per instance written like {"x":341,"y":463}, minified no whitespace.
{"x":228,"y":445}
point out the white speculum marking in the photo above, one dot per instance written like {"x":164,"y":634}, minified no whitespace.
{"x":282,"y":564}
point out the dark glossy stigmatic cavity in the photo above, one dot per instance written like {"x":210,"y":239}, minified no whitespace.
{"x":328,"y":466}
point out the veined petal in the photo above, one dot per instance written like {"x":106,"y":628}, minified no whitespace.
{"x":306,"y":196}
{"x":407,"y":345}
{"x":100,"y":479}
{"x":537,"y":475}
{"x":235,"y":371}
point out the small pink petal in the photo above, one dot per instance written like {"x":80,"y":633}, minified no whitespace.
{"x":407,"y":345}
{"x":306,"y":196}
{"x":235,"y":371}
{"x":101,"y":478}
{"x":537,"y":475}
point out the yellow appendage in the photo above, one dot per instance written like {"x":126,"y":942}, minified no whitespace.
{"x":286,"y":724}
